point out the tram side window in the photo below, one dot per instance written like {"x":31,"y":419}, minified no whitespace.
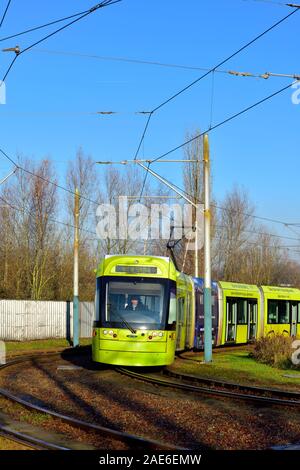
{"x":252,"y":311}
{"x":272,"y":311}
{"x":180,"y":307}
{"x":189,"y":308}
{"x":97,"y":304}
{"x":241,"y":312}
{"x":100,"y":298}
{"x":283,"y":312}
{"x":173,"y":307}
{"x":237,"y":311}
{"x":278,"y":311}
{"x":231,"y":315}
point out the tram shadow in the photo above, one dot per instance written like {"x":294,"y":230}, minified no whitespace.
{"x":81,"y":357}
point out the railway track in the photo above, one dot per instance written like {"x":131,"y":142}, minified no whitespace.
{"x":132,"y":441}
{"x":28,"y":441}
{"x":191,"y":354}
{"x":252,"y":389}
{"x":220,"y":389}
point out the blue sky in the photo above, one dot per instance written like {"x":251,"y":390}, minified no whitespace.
{"x":50,"y":95}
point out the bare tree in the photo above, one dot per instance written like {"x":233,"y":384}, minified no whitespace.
{"x":117,"y":184}
{"x":36,"y":252}
{"x":245,"y":251}
{"x":233,"y":231}
{"x":32,"y":203}
{"x":193,"y":185}
{"x":82,"y":174}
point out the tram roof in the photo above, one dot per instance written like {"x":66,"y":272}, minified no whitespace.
{"x":137,"y":266}
{"x":236,"y":286}
{"x":281,"y":292}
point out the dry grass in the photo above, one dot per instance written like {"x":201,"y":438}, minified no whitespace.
{"x":275,"y":350}
{"x":8,"y":444}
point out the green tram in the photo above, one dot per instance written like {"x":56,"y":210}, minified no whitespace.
{"x":280,"y":310}
{"x":144,"y":311}
{"x":239,"y":307}
{"x":244,"y":312}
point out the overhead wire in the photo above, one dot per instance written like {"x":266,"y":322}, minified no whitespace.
{"x":25,"y":170}
{"x":97,"y":203}
{"x":225,"y":121}
{"x":270,"y":2}
{"x":30,"y":30}
{"x":234,"y":73}
{"x":254,"y":216}
{"x":256,"y":243}
{"x":51,"y":219}
{"x":191,"y":84}
{"x":5,"y":13}
{"x":212,"y":96}
{"x":280,"y":247}
{"x":241,"y":49}
{"x":104,"y":3}
{"x":19,"y":52}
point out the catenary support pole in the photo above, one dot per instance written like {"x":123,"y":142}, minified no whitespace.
{"x":196,"y":248}
{"x":207,"y":256}
{"x":76,"y":276}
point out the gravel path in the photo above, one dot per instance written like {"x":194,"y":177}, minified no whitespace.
{"x":103,"y":396}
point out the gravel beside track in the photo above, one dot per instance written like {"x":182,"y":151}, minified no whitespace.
{"x":102,"y":396}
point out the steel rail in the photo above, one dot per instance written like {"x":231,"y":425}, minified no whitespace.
{"x":216,"y":350}
{"x":28,"y":441}
{"x":207,"y":390}
{"x":286,"y":394}
{"x":123,"y":437}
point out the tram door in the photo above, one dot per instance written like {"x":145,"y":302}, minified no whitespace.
{"x":180,"y":323}
{"x":293,"y":316}
{"x":231,"y":310}
{"x":252,"y":319}
{"x":241,"y":319}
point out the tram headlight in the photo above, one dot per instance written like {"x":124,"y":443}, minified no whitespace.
{"x":105,"y":332}
{"x":157,"y":333}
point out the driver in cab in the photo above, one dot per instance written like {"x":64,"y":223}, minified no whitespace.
{"x":136,"y":304}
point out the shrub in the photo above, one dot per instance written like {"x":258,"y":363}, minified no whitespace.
{"x":275,"y":350}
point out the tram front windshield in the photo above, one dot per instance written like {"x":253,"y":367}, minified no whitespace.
{"x":139,"y":303}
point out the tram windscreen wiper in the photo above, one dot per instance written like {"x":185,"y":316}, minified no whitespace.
{"x":113,"y":312}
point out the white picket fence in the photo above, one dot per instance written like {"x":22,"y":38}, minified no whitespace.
{"x":22,"y":320}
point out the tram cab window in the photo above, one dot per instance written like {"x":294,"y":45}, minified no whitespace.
{"x":278,"y":311}
{"x":135,"y":301}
